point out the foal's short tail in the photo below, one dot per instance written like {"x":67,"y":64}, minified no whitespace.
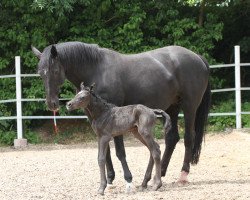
{"x":166,"y":118}
{"x":201,"y":120}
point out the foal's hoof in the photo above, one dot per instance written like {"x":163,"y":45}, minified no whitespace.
{"x":156,"y":186}
{"x":100,"y":191}
{"x":141,"y":188}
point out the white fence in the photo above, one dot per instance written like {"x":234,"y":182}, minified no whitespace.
{"x":19,"y":117}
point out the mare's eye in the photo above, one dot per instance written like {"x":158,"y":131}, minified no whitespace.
{"x":42,"y":73}
{"x":56,"y":70}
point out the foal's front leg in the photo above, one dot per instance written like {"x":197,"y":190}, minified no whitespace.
{"x":103,"y":142}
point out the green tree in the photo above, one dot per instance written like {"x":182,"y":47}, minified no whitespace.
{"x":126,"y":26}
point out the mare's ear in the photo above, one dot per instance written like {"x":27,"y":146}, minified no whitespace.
{"x":82,"y":86}
{"x":36,"y":52}
{"x":53,"y":51}
{"x":92,"y":87}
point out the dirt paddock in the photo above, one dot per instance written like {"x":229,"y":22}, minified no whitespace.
{"x":71,"y":172}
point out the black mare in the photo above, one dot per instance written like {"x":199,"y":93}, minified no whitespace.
{"x":169,"y":78}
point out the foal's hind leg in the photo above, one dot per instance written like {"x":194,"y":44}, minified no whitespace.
{"x":171,"y":138}
{"x":148,"y":174}
{"x":155,"y":157}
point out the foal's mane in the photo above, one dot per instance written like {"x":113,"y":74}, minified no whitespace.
{"x":103,"y":101}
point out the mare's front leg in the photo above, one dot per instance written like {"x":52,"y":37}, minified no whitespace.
{"x":171,"y":138}
{"x":103,"y":141}
{"x":121,"y":154}
{"x":109,"y":166}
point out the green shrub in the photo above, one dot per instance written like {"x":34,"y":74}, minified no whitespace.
{"x":32,"y":137}
{"x":219,"y":123}
{"x":246,"y":118}
{"x":158,"y":130}
{"x":7,"y":137}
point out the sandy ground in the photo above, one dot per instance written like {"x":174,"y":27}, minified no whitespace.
{"x":71,"y":172}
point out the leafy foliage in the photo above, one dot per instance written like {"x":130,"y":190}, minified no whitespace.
{"x":7,"y":137}
{"x":223,"y":122}
{"x":126,"y":26}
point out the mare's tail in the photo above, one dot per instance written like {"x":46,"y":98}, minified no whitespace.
{"x":166,"y":118}
{"x":201,"y":120}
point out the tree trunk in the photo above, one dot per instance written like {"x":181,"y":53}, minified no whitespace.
{"x":201,"y":14}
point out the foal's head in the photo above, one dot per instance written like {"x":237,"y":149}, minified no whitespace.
{"x":81,"y":100}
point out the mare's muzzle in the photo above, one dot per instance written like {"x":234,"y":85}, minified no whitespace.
{"x":53,"y":104}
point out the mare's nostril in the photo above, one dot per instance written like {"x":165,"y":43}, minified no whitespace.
{"x":68,"y":104}
{"x":53,"y":104}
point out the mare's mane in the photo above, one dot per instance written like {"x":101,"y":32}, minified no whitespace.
{"x":74,"y":53}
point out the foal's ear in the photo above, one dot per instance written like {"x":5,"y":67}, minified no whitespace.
{"x":53,"y":51}
{"x":36,"y":52}
{"x":82,"y":86}
{"x":92,"y":87}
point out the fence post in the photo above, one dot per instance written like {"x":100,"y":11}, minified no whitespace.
{"x":237,"y":86}
{"x":19,"y":142}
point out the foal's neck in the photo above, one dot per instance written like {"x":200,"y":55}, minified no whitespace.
{"x":98,"y":106}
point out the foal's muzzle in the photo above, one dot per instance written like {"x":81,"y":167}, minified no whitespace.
{"x":69,"y":106}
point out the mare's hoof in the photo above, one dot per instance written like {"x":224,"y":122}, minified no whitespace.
{"x":110,"y":186}
{"x":110,"y":180}
{"x":183,"y":180}
{"x":129,"y":188}
{"x":182,"y":183}
{"x":163,"y":173}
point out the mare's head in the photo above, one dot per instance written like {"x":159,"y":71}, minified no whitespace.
{"x":81,"y":100}
{"x":52,"y":72}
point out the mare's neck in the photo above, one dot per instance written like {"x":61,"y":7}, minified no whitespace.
{"x":80,"y":61}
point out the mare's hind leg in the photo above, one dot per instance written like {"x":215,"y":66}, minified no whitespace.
{"x":171,"y":138}
{"x":189,"y":117}
{"x":121,"y":154}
